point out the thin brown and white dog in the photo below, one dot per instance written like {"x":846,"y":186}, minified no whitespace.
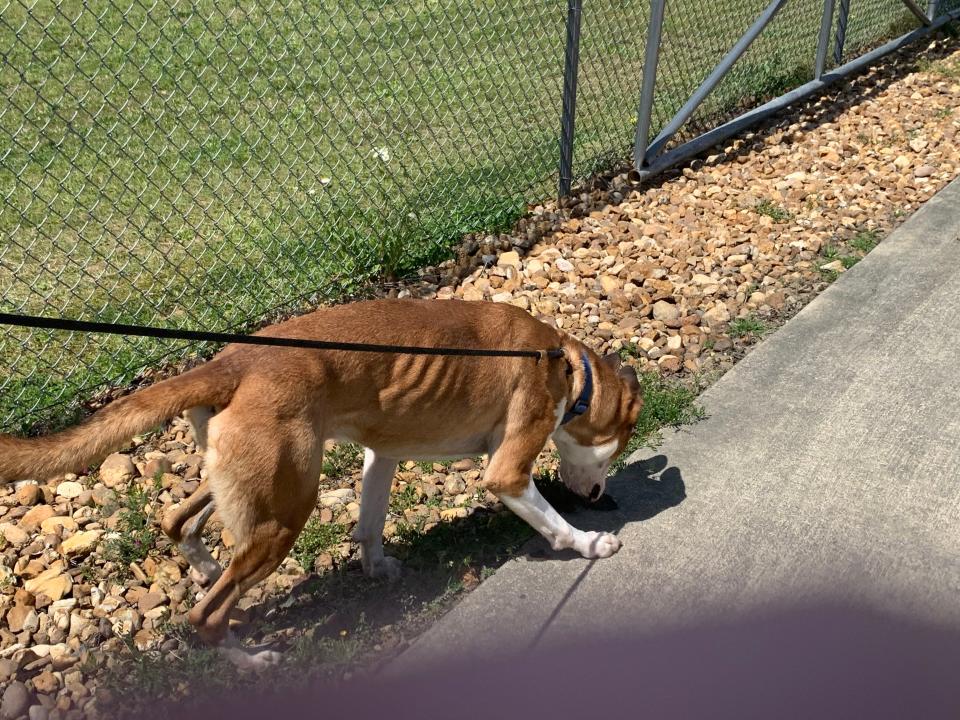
{"x":262,"y":414}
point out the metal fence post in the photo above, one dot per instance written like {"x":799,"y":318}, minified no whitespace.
{"x":823,"y":42}
{"x":841,"y":35}
{"x":568,"y":114}
{"x":650,"y":60}
{"x":933,"y":6}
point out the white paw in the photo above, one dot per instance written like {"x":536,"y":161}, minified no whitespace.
{"x":599,"y":545}
{"x":253,"y":661}
{"x":387,"y":567}
{"x":205,"y":577}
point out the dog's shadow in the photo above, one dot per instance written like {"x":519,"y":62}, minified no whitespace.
{"x":636,"y":493}
{"x":454,"y":556}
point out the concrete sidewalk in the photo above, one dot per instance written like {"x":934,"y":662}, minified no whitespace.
{"x":828,"y":469}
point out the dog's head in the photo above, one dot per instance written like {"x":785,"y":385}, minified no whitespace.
{"x":590,"y":442}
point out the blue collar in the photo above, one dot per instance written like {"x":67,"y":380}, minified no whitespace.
{"x":582,"y":403}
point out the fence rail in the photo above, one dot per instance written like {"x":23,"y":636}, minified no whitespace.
{"x":199,"y":165}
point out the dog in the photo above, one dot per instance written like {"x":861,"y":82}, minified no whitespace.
{"x":261,"y":416}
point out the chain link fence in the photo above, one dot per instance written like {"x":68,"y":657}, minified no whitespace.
{"x":205,"y":164}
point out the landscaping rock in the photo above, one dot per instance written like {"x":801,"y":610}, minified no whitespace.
{"x":16,"y":700}
{"x":116,"y":470}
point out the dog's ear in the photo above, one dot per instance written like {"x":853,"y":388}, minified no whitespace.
{"x":612,"y":360}
{"x":629,"y":373}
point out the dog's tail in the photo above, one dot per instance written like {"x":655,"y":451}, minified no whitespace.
{"x":75,"y":448}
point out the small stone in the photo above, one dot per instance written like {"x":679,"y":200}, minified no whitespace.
{"x":564,"y":265}
{"x":924,"y":171}
{"x":83,"y":543}
{"x":46,"y":683}
{"x":103,"y":496}
{"x":38,"y":712}
{"x":53,"y":524}
{"x":69,"y":489}
{"x":609,"y":284}
{"x":664,"y":311}
{"x":116,"y":470}
{"x":149,"y":601}
{"x":36,"y":515}
{"x":53,"y":583}
{"x":464,"y":465}
{"x":155,"y":467}
{"x":509,"y":259}
{"x":15,"y":535}
{"x":835,"y":266}
{"x":340,"y":496}
{"x":454,"y":485}
{"x":226,"y":537}
{"x":717,"y":315}
{"x":29,"y":494}
{"x":167,"y":573}
{"x":16,"y":700}
{"x":22,"y":617}
{"x":670,"y":363}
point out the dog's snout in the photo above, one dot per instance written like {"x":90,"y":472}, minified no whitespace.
{"x":595,"y":493}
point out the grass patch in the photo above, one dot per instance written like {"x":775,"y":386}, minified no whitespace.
{"x":315,"y":539}
{"x":865,"y":240}
{"x":747,"y":326}
{"x":404,"y":500}
{"x":777,"y":213}
{"x":342,"y":460}
{"x":630,"y":351}
{"x":135,"y":530}
{"x":940,"y":68}
{"x":665,"y":404}
{"x":484,"y":538}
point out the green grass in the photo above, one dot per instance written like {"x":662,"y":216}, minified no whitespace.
{"x":666,"y":403}
{"x":865,"y":240}
{"x":777,"y":213}
{"x":202,"y":164}
{"x":342,"y":460}
{"x":135,"y":531}
{"x":940,"y":68}
{"x":747,"y":326}
{"x":861,"y":243}
{"x":315,"y":539}
{"x":403,"y":500}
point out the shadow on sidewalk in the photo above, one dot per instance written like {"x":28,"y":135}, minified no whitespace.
{"x":638,"y":492}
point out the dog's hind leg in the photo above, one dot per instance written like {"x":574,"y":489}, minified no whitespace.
{"x":184,"y":525}
{"x":264,"y":477}
{"x":378,"y":475}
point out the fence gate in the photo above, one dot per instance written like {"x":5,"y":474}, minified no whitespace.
{"x":652,"y":157}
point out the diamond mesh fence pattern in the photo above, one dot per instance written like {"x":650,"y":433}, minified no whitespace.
{"x":198,"y":164}
{"x":204,"y":164}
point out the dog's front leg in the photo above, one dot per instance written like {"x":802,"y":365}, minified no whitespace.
{"x":534,"y":508}
{"x":378,"y":475}
{"x":509,"y":476}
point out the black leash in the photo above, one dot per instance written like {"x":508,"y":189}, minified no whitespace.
{"x":171,"y":334}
